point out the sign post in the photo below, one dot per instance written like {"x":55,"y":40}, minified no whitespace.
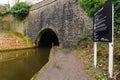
{"x":111,"y":46}
{"x":104,"y":31}
{"x":95,"y":54}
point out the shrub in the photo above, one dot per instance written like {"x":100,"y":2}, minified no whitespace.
{"x":20,"y":10}
{"x":1,"y":14}
{"x":90,"y":6}
{"x":3,"y":8}
{"x":117,"y":15}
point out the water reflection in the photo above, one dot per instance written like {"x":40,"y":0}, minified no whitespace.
{"x":22,"y":64}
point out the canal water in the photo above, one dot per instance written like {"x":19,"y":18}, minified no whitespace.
{"x":22,"y":64}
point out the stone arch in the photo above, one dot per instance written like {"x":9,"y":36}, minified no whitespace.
{"x":47,"y":38}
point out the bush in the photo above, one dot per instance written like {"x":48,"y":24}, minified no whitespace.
{"x":90,"y":6}
{"x":117,"y":15}
{"x":1,"y":14}
{"x":3,"y":8}
{"x":20,"y":10}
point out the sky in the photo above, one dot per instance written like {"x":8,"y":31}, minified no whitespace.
{"x":3,"y":1}
{"x":12,"y":1}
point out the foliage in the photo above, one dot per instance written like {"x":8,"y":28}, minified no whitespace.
{"x":20,"y":35}
{"x":4,"y":13}
{"x":3,"y":8}
{"x":117,"y":15}
{"x":85,"y":53}
{"x":1,"y":14}
{"x":91,"y":6}
{"x":98,"y":76}
{"x":20,"y":10}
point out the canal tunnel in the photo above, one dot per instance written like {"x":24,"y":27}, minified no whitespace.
{"x":48,"y":38}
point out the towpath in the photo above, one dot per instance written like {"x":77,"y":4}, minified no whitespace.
{"x":63,"y":65}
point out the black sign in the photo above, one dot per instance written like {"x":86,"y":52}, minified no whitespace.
{"x":103,"y":23}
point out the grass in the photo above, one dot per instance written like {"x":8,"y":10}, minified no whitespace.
{"x":15,"y":49}
{"x":21,"y":36}
{"x":25,"y":38}
{"x":85,"y":53}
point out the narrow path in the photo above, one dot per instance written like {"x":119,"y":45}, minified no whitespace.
{"x":63,"y":65}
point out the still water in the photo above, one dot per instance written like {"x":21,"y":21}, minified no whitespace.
{"x":22,"y":64}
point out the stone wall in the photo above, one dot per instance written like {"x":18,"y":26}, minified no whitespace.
{"x":9,"y":22}
{"x":64,"y":17}
{"x":4,"y":23}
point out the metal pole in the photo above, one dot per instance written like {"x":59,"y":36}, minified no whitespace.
{"x":111,"y":59}
{"x":95,"y":54}
{"x":111,"y":46}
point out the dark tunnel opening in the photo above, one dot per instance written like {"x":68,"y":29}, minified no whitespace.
{"x":48,"y":39}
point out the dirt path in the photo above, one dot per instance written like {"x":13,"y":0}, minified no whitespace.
{"x":63,"y":65}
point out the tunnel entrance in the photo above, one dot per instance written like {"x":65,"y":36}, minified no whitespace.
{"x":48,"y":38}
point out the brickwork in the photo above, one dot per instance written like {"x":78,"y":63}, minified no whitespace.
{"x":10,"y":41}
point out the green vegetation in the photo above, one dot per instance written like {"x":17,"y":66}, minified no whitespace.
{"x":117,"y":15}
{"x":84,"y":35}
{"x":85,"y":53}
{"x":21,"y":36}
{"x":86,"y":48}
{"x":91,"y":6}
{"x":3,"y":9}
{"x":19,"y":10}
